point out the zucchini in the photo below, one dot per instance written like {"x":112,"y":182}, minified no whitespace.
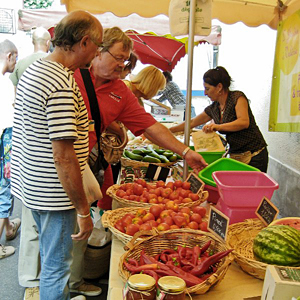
{"x":133,"y":156}
{"x":163,"y":159}
{"x":160,"y":151}
{"x":138,"y":151}
{"x":173,"y":158}
{"x":168,"y":154}
{"x":151,"y":159}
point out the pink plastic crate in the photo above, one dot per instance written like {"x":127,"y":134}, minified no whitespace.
{"x":244,"y":189}
{"x":213,"y":193}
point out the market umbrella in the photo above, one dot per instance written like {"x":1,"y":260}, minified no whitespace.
{"x":161,"y":51}
{"x":250,"y":12}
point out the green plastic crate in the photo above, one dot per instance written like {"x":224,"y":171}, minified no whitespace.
{"x":210,"y":156}
{"x":223,"y":164}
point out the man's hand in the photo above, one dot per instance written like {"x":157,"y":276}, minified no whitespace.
{"x":85,"y":229}
{"x":195,"y":161}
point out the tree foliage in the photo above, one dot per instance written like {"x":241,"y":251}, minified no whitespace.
{"x":37,"y":4}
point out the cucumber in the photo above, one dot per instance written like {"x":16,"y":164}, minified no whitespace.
{"x":133,"y":156}
{"x":160,"y":151}
{"x":172,"y":158}
{"x":146,"y":151}
{"x":154,"y":154}
{"x":168,"y":154}
{"x":163,"y":159}
{"x":151,"y":159}
{"x":138,"y":151}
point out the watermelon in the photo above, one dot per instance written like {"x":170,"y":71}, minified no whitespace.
{"x":291,"y":221}
{"x":278,"y":245}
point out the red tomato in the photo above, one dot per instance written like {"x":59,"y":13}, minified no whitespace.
{"x":163,"y":227}
{"x":140,"y":212}
{"x":152,"y":223}
{"x":177,"y":183}
{"x":142,"y":182}
{"x":132,"y":229}
{"x":145,"y":226}
{"x":166,"y":192}
{"x":147,"y":217}
{"x":203,"y":226}
{"x":186,"y":210}
{"x":193,"y":225}
{"x":196,"y":217}
{"x":194,"y":196}
{"x":186,"y":185}
{"x":156,"y":210}
{"x":160,"y":183}
{"x":121,"y":193}
{"x":137,"y":220}
{"x":174,"y":195}
{"x":119,"y":226}
{"x":137,"y":189}
{"x":200,"y":210}
{"x":170,"y":185}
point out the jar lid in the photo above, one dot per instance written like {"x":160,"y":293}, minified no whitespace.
{"x":171,"y":284}
{"x":141,"y":282}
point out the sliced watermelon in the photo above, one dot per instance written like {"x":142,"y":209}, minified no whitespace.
{"x":291,"y":221}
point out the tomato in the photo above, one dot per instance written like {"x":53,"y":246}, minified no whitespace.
{"x":186,"y":210}
{"x":184,"y":193}
{"x":186,"y":185}
{"x":132,"y":229}
{"x":174,"y":195}
{"x":160,"y":183}
{"x":172,"y":205}
{"x":180,"y":221}
{"x":168,"y":220}
{"x":140,"y":212}
{"x":129,"y":192}
{"x":137,"y":220}
{"x":119,"y":226}
{"x":137,"y":189}
{"x":196,"y":217}
{"x":142,"y":182}
{"x":152,"y":223}
{"x":187,"y":200}
{"x":203,"y":226}
{"x":194,"y":196}
{"x":121,"y":193}
{"x":170,"y":185}
{"x":164,"y":214}
{"x":147,"y":217}
{"x":126,"y":220}
{"x":200,"y":210}
{"x":177,"y":184}
{"x":128,"y":185}
{"x":193,"y":225}
{"x":145,"y":226}
{"x":156,"y":210}
{"x":163,"y":227}
{"x":166,"y":192}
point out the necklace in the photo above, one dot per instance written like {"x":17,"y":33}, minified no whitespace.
{"x":222,"y":110}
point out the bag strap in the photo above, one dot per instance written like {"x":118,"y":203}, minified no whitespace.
{"x":94,"y":108}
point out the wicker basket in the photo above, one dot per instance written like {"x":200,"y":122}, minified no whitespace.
{"x":110,"y":217}
{"x":178,"y":237}
{"x":127,"y":162}
{"x":240,"y":238}
{"x":111,"y":191}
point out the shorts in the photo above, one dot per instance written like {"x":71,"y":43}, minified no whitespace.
{"x":6,"y":199}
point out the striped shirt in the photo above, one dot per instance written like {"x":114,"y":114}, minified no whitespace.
{"x":48,"y":107}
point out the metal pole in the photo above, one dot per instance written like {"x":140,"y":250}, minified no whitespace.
{"x":189,"y":82}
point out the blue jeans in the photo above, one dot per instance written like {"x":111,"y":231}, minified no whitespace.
{"x":55,"y":228}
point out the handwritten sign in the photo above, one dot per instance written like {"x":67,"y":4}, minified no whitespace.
{"x":218,"y":223}
{"x":196,"y":183}
{"x":267,"y":211}
{"x":157,"y":173}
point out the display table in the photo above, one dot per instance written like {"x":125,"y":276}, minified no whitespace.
{"x":236,"y":285}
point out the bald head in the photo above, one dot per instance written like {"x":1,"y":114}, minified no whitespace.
{"x":73,"y":27}
{"x":40,"y":36}
{"x":6,"y":47}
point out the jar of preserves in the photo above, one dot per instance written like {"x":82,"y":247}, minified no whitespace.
{"x":171,"y":288}
{"x":140,"y":287}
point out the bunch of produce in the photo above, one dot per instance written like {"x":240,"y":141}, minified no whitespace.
{"x":159,"y":192}
{"x":163,"y":217}
{"x":278,"y":245}
{"x":150,"y":154}
{"x":193,"y":265}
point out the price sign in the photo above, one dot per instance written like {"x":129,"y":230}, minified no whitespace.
{"x":218,"y":223}
{"x":267,"y":211}
{"x":157,"y":173}
{"x":196,"y":183}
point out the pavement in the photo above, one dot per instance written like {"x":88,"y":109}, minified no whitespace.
{"x":9,"y":285}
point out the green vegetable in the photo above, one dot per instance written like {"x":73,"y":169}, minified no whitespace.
{"x":146,"y":151}
{"x":151,"y":159}
{"x":278,"y":245}
{"x":160,"y":151}
{"x":173,"y":158}
{"x":168,"y":153}
{"x":133,"y":156}
{"x":138,"y":151}
{"x":163,"y":158}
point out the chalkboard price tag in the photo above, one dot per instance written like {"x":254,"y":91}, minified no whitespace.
{"x":218,"y":223}
{"x":197,"y":184}
{"x":155,"y":172}
{"x":267,"y":211}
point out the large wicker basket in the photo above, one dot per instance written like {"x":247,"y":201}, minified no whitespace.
{"x":110,"y":217}
{"x":178,"y":237}
{"x":240,"y":238}
{"x":111,"y":191}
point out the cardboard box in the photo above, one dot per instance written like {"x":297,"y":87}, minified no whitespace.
{"x":281,"y":283}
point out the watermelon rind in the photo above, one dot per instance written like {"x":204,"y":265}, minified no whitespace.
{"x":278,"y":245}
{"x":291,"y":221}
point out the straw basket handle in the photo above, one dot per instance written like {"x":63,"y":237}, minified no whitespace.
{"x":110,"y":191}
{"x":130,"y":244}
{"x":105,"y":218}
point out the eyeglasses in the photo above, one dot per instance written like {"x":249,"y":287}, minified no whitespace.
{"x":126,"y":62}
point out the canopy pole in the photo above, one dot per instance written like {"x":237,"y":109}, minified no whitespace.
{"x":189,"y":82}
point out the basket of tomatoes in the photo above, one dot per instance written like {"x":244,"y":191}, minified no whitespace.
{"x":199,"y":258}
{"x":125,"y":222}
{"x":143,"y":194}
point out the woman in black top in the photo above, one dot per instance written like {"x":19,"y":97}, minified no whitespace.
{"x":232,"y":116}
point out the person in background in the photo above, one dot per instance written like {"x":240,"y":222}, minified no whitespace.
{"x":232,"y":116}
{"x":50,"y":148}
{"x":8,"y":57}
{"x":147,"y":83}
{"x":41,"y":41}
{"x":130,"y":66}
{"x":28,"y":251}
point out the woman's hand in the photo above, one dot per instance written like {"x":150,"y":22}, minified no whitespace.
{"x":211,"y":128}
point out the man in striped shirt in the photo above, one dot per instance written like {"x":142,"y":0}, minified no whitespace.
{"x":50,"y":148}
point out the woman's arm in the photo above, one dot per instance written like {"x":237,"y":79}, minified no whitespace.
{"x":198,"y":120}
{"x":242,"y":121}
